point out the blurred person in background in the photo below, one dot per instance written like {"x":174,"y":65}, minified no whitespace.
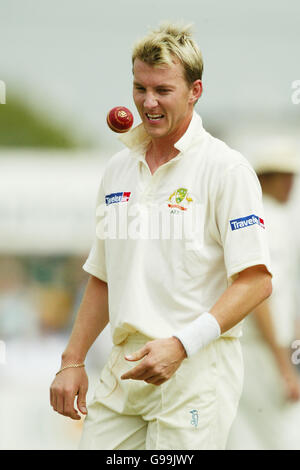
{"x":269,"y":415}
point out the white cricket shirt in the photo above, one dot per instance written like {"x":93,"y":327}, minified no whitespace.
{"x":169,"y":244}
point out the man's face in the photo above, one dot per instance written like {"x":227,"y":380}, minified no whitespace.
{"x":163,"y":98}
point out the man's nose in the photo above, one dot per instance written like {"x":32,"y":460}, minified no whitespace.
{"x":150,"y":101}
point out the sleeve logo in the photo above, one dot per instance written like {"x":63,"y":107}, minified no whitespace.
{"x":243,"y":222}
{"x":115,"y":198}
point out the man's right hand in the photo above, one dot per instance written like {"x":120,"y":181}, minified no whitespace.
{"x":64,"y":388}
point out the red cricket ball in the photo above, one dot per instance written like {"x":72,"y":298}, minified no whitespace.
{"x":119,"y":119}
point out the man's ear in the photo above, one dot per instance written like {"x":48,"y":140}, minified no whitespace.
{"x":196,"y":90}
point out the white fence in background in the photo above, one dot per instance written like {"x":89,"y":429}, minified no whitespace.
{"x":47,"y":201}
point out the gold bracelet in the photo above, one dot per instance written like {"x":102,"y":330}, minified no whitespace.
{"x":68,"y":366}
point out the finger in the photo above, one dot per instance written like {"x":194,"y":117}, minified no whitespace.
{"x":137,"y":372}
{"x":69,"y":409}
{"x":155,"y":380}
{"x":145,"y":375}
{"x":151,"y":380}
{"x":54,"y":402}
{"x":159,"y":382}
{"x":60,"y":404}
{"x":51,"y":397}
{"x":137,"y":355}
{"x":81,"y":400}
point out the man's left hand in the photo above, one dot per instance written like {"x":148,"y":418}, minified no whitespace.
{"x":162,"y":357}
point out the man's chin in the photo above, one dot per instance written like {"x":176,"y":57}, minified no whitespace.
{"x":156,"y":133}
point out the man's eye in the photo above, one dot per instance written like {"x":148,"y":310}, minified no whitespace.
{"x":163,"y":90}
{"x":139,"y":88}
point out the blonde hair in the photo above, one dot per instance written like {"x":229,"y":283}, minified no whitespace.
{"x":160,"y":46}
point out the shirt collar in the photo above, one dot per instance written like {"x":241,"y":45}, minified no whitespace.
{"x":194,"y":131}
{"x":137,"y":139}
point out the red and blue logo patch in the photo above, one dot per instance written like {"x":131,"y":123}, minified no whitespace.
{"x":243,"y":222}
{"x":114,"y":198}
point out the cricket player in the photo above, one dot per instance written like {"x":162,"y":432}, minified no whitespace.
{"x":180,"y":257}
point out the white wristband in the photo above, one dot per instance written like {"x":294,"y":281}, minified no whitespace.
{"x":199,"y":333}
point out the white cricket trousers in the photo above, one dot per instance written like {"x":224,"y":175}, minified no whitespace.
{"x":194,"y":409}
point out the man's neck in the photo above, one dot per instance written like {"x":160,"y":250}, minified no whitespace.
{"x":158,"y":155}
{"x":162,"y":150}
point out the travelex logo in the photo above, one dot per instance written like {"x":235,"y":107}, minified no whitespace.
{"x":114,"y":198}
{"x":243,"y":222}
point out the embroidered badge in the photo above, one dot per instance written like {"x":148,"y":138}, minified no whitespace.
{"x":180,"y":199}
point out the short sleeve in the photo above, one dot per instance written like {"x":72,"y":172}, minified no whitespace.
{"x":96,"y":263}
{"x":240,"y":220}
